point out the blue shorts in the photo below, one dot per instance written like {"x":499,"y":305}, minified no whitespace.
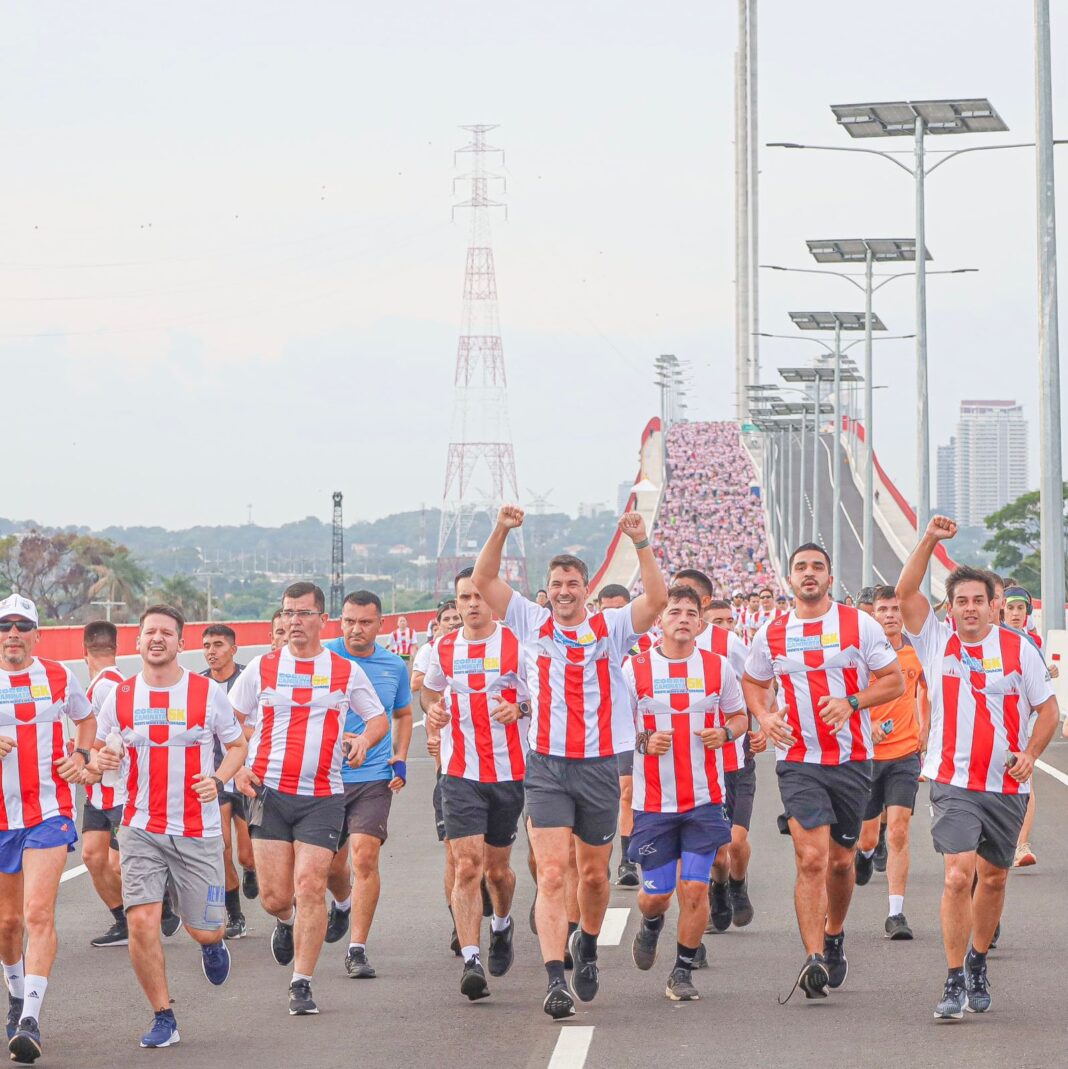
{"x":55,"y":831}
{"x":660,"y":840}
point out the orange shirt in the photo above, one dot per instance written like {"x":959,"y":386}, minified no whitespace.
{"x":905,"y":738}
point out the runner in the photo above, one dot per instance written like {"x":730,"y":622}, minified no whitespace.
{"x":542,"y":598}
{"x":369,"y":789}
{"x":580,"y":723}
{"x":866,"y":600}
{"x":220,"y":649}
{"x":167,"y":719}
{"x":687,"y":707}
{"x":278,"y":631}
{"x":37,"y":821}
{"x":986,"y":682}
{"x":448,"y":619}
{"x":899,"y":734}
{"x":822,"y":655}
{"x":298,"y":698}
{"x":402,"y":640}
{"x":483,"y":753}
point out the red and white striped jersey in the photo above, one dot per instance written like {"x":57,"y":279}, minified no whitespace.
{"x":981,"y":697}
{"x":33,"y":703}
{"x":169,"y":734}
{"x":102,"y":684}
{"x":685,"y":697}
{"x":299,"y":709}
{"x":401,"y":641}
{"x":832,"y":655}
{"x":728,"y":645}
{"x":579,"y":704}
{"x":475,"y":673}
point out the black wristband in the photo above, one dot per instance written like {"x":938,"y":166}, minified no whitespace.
{"x":220,"y":787}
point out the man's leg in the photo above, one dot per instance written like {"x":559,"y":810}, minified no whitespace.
{"x":41,"y":870}
{"x":500,"y":878}
{"x":99,"y":859}
{"x":811,"y":852}
{"x":593,"y":890}
{"x":146,"y":953}
{"x":551,"y":850}
{"x":467,"y":854}
{"x":869,"y":835}
{"x":339,"y":878}
{"x":897,"y":858}
{"x":957,"y":907}
{"x":1024,"y":854}
{"x":367,"y":883}
{"x":987,"y":903}
{"x":274,"y":864}
{"x":310,"y":867}
{"x":245,"y":857}
{"x":11,"y":940}
{"x":840,"y":877}
{"x":741,"y":851}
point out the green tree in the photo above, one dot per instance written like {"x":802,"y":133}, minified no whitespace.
{"x":1016,"y":540}
{"x":181,"y":592}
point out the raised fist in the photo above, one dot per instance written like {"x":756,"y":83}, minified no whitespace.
{"x":510,"y":517}
{"x":632,"y":525}
{"x":941,"y":527}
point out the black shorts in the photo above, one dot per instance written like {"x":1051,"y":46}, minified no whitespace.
{"x":984,"y":821}
{"x":488,"y":809}
{"x":834,"y":795}
{"x":366,"y":810}
{"x":893,"y":782}
{"x":297,"y":818}
{"x":626,"y":762}
{"x":741,"y":793}
{"x":94,"y":819}
{"x":439,"y":812}
{"x":237,"y":802}
{"x":577,"y":793}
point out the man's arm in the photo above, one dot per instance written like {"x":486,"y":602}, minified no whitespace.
{"x":645,"y":608}
{"x":914,"y":606}
{"x":487,"y":573}
{"x":886,"y":684}
{"x":1045,"y":725}
{"x":402,"y":740}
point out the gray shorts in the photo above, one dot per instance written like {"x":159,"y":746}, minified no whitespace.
{"x":893,"y":782}
{"x":192,"y":868}
{"x":984,"y":821}
{"x":577,"y":793}
{"x":366,"y":810}
{"x":491,"y":810}
{"x":835,"y":795}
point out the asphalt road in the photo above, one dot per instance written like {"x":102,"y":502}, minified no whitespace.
{"x":413,"y":1015}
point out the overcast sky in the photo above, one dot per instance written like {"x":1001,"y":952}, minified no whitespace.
{"x":228,"y":273}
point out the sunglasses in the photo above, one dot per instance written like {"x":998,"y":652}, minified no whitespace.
{"x":22,"y":625}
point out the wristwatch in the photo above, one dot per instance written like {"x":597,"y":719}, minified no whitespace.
{"x":524,"y":709}
{"x":83,"y":752}
{"x":219,"y":785}
{"x":730,"y":734}
{"x":854,"y":702}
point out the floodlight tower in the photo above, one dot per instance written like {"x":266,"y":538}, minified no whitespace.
{"x":337,"y":560}
{"x":480,"y":469}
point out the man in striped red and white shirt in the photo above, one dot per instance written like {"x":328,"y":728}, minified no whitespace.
{"x":688,"y":710}
{"x":36,"y":811}
{"x":832,"y":663}
{"x":580,"y":722}
{"x":987,"y":684}
{"x":402,"y":640}
{"x":474,"y":694}
{"x":296,"y":699}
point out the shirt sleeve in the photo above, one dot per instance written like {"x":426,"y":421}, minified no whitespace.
{"x":737,"y":652}
{"x":1037,"y":685}
{"x":730,"y":695}
{"x":422,"y":659}
{"x":403,"y":697}
{"x":100,"y":692}
{"x":631,"y":690}
{"x":875,"y":647}
{"x":363,"y":699}
{"x":621,"y":633}
{"x":524,"y":617}
{"x":435,"y":678}
{"x":77,"y":705}
{"x":758,"y":664}
{"x":107,"y":720}
{"x":245,"y":693}
{"x":224,"y":724}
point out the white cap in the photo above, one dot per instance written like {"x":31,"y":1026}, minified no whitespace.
{"x":17,"y":605}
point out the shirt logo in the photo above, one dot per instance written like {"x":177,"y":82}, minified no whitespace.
{"x":41,"y":690}
{"x":16,"y":695}
{"x":987,"y":664}
{"x":176,"y":716}
{"x":302,"y":680}
{"x":676,"y":685}
{"x":579,"y":642}
{"x":476,"y":665}
{"x":151,"y":718}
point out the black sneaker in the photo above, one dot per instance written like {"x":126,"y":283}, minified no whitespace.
{"x":118,"y":935}
{"x":169,"y":921}
{"x":627,"y":874}
{"x":879,"y":857}
{"x":236,"y":928}
{"x":897,"y":927}
{"x":357,"y":965}
{"x":454,"y":946}
{"x":501,"y":952}
{"x":976,"y":984}
{"x":813,"y":977}
{"x":473,"y":981}
{"x":25,"y":1044}
{"x":680,"y":986}
{"x":487,"y":902}
{"x":720,"y":912}
{"x":741,"y":907}
{"x":584,"y":979}
{"x":700,"y":959}
{"x":337,"y":924}
{"x":250,"y":885}
{"x":864,"y":867}
{"x":954,"y":1000}
{"x":645,"y":947}
{"x":835,"y":960}
{"x":301,"y":1003}
{"x":282,"y":943}
{"x":558,"y":1002}
{"x":14,"y":1014}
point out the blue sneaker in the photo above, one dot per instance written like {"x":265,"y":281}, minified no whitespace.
{"x":164,"y":1031}
{"x":14,"y":1014}
{"x":25,"y":1044}
{"x":215,"y":959}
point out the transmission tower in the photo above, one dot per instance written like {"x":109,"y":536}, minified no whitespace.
{"x":480,"y":469}
{"x":337,"y":560}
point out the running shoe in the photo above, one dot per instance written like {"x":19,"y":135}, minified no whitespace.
{"x":473,"y":981}
{"x":700,"y":959}
{"x":585,"y":978}
{"x":720,"y":912}
{"x":1025,"y":856}
{"x":558,"y":1002}
{"x":454,"y":946}
{"x":741,"y":907}
{"x":169,"y":921}
{"x":501,"y":952}
{"x":14,"y":1014}
{"x":118,"y":935}
{"x":25,"y":1044}
{"x":250,"y":885}
{"x":835,"y":960}
{"x":236,"y":928}
{"x":282,"y":943}
{"x":879,"y":857}
{"x":813,"y":977}
{"x":976,"y":984}
{"x":164,"y":1031}
{"x":627,"y":874}
{"x":357,"y":965}
{"x":645,"y":947}
{"x":864,"y":867}
{"x":337,"y":924}
{"x":680,"y":986}
{"x":215,"y":960}
{"x":954,"y":1000}
{"x":897,"y":927}
{"x":301,"y":1003}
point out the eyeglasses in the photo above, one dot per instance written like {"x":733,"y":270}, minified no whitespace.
{"x":21,"y":625}
{"x":299,"y":614}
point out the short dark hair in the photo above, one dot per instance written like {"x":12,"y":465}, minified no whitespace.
{"x":998,"y":581}
{"x":541,"y":590}
{"x":807,"y":547}
{"x":765,"y":590}
{"x":567,"y":560}
{"x":679,"y":592}
{"x":883,"y":593}
{"x":866,"y":595}
{"x":697,"y":577}
{"x":163,"y":610}
{"x":965,"y":574}
{"x":100,"y":636}
{"x":463,"y":573}
{"x":302,"y":590}
{"x":363,"y":598}
{"x":719,"y":603}
{"x":277,"y":614}
{"x":222,"y":631}
{"x":614,"y":590}
{"x":448,"y":603}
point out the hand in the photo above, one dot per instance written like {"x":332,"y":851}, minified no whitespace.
{"x":396,"y":784}
{"x":632,"y":525}
{"x":204,"y":787}
{"x":940,"y":528}
{"x":877,"y":734}
{"x":758,"y":741}
{"x":433,"y":746}
{"x":1025,"y":765}
{"x":437,"y":716}
{"x":834,"y":712}
{"x":713,"y":738}
{"x":7,"y":744}
{"x":105,"y":760}
{"x":247,"y":781}
{"x":659,"y":742}
{"x":505,"y":712}
{"x":357,"y":749}
{"x":510,"y":517}
{"x":1054,"y":672}
{"x":67,"y":768}
{"x":776,"y":728}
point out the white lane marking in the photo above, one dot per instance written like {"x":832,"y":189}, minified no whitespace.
{"x":615,"y":923}
{"x":71,"y":873}
{"x":419,"y":723}
{"x":1056,"y":773}
{"x":572,"y":1046}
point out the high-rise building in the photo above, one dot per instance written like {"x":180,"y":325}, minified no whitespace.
{"x":946,"y":491}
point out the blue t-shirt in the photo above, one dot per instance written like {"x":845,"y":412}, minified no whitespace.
{"x":389,"y":676}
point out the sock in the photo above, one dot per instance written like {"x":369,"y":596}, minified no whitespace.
{"x":233,"y":902}
{"x":469,"y":953}
{"x":654,"y":924}
{"x":897,"y":905}
{"x":498,"y":924}
{"x":288,"y":921}
{"x":868,"y":853}
{"x":684,"y":956}
{"x":555,"y":969}
{"x":587,"y":947}
{"x":14,"y":977}
{"x":357,"y":946}
{"x":36,"y":986}
{"x":735,"y":885}
{"x":300,"y":976}
{"x":343,"y":906}
{"x":119,"y":914}
{"x":571,"y":928}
